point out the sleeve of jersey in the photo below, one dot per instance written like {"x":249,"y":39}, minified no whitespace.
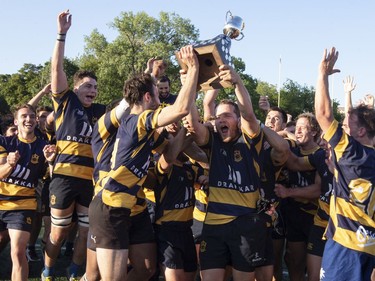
{"x":106,"y":126}
{"x":337,"y":138}
{"x":314,"y":159}
{"x":3,"y":152}
{"x":3,"y":145}
{"x":59,"y":98}
{"x":149,"y":119}
{"x":159,"y":141}
{"x":256,"y":140}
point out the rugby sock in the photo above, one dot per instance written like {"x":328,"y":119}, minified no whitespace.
{"x":73,"y":269}
{"x":48,"y":271}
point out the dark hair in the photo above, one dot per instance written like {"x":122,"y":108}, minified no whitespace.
{"x":282,"y":111}
{"x":230,"y":102}
{"x":313,"y":123}
{"x":137,"y":86}
{"x":164,"y":79}
{"x":366,"y":118}
{"x":7,"y":122}
{"x":290,"y":124}
{"x":79,"y":75}
{"x":28,"y":106}
{"x":44,"y":108}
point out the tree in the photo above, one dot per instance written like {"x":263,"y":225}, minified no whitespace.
{"x":140,"y":38}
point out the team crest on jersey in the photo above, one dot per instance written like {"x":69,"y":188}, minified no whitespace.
{"x":203,"y":246}
{"x":28,"y":220}
{"x":53,"y":199}
{"x":35,"y":158}
{"x":237,"y":156}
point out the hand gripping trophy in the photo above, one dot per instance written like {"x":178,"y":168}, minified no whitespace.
{"x":215,"y":52}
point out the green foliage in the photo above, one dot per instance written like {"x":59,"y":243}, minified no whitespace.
{"x":20,"y":87}
{"x":140,"y":37}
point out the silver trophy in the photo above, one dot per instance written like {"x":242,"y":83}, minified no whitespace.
{"x":233,"y":26}
{"x":215,"y":52}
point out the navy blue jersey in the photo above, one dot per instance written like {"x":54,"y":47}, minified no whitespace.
{"x":17,"y":191}
{"x":175,"y":195}
{"x":73,"y":137}
{"x":234,"y":177}
{"x":352,"y":205}
{"x":303,"y":179}
{"x":135,"y":140}
{"x":318,"y":162}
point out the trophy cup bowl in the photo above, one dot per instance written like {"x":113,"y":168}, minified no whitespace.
{"x":214,"y":52}
{"x":233,"y":26}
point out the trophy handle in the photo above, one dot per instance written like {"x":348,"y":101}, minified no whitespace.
{"x":226,"y":17}
{"x":238,"y":39}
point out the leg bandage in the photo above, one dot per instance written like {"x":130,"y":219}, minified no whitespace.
{"x":61,"y":222}
{"x":83,"y":219}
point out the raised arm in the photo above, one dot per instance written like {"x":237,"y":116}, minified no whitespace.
{"x":323,"y":108}
{"x":43,"y":92}
{"x":280,"y":147}
{"x":209,"y":104}
{"x":186,"y":96}
{"x":249,"y":122}
{"x":349,"y":87}
{"x":59,"y":82}
{"x":175,"y":146}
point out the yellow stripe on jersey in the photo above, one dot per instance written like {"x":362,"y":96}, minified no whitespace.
{"x":74,"y":148}
{"x":176,"y":215}
{"x":358,"y":238}
{"x":342,"y":145}
{"x":8,"y":189}
{"x":228,"y":197}
{"x":118,"y":199}
{"x":25,"y":204}
{"x":73,"y":170}
{"x":139,"y":208}
{"x":59,"y":119}
{"x":150,"y":194}
{"x":319,"y":221}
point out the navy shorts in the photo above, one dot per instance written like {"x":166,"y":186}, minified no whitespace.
{"x":197,"y":230}
{"x":141,"y":230}
{"x":111,"y":227}
{"x":298,"y":224}
{"x":316,"y":244}
{"x":176,"y":248}
{"x":17,"y":219}
{"x":241,"y":243}
{"x":65,"y":190}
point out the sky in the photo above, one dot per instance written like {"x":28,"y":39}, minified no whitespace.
{"x":293,"y":32}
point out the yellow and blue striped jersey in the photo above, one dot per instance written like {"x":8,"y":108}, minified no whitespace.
{"x":234,"y":177}
{"x":304,"y":178}
{"x":322,"y":215}
{"x":17,"y":191}
{"x":175,"y":195}
{"x":73,"y":137}
{"x":352,"y":205}
{"x":102,"y":143}
{"x":135,"y":140}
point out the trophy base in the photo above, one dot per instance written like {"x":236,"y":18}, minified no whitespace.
{"x":211,"y":54}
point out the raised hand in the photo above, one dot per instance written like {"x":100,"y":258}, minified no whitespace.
{"x":349,"y":85}
{"x":327,"y":64}
{"x":64,"y":21}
